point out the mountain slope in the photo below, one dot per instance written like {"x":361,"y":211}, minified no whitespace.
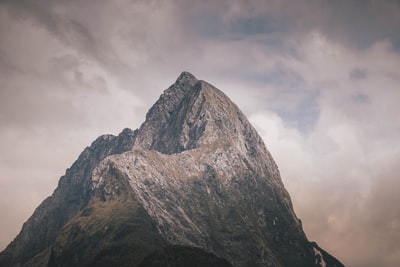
{"x":70,"y":197}
{"x":112,"y":230}
{"x":194,"y":179}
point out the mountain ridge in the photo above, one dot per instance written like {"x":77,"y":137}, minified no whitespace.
{"x":195,"y":174}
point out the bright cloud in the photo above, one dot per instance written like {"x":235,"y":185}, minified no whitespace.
{"x":336,"y":172}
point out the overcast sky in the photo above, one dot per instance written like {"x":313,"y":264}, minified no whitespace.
{"x":320,"y":80}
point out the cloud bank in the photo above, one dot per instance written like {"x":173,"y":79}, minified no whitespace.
{"x":319,"y":80}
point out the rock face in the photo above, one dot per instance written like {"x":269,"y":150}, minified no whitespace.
{"x":69,"y":198}
{"x":194,"y":182}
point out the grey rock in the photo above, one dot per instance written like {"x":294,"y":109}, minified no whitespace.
{"x":203,"y":173}
{"x":70,"y":197}
{"x":196,"y":170}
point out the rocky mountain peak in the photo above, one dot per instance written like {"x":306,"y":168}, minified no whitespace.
{"x":195,"y":179}
{"x":205,"y":158}
{"x":193,"y":113}
{"x":161,"y":112}
{"x":186,"y":80}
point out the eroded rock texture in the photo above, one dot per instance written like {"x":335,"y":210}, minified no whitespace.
{"x":195,"y":179}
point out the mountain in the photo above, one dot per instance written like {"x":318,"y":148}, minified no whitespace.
{"x":193,"y":186}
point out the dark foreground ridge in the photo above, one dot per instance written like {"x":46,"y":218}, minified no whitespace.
{"x":193,"y":186}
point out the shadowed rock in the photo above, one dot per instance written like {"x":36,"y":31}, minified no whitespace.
{"x":195,"y":179}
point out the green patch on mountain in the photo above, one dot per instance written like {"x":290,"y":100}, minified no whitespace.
{"x":113,"y":230}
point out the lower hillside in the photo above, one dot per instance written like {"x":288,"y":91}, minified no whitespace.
{"x":113,"y":230}
{"x":180,"y":256}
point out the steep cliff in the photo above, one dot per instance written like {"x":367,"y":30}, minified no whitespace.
{"x":195,"y":181}
{"x":69,"y":198}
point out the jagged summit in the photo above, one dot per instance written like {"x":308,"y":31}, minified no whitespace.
{"x":186,"y":78}
{"x":160,"y":113}
{"x":191,"y":113}
{"x":195,"y":179}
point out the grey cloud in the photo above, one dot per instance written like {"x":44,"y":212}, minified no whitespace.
{"x":360,"y":98}
{"x":383,"y":199}
{"x":358,"y":74}
{"x":41,"y":108}
{"x":357,"y":23}
{"x":356,"y":217}
{"x":373,"y":223}
{"x":29,"y":100}
{"x":365,"y":22}
{"x":260,"y":25}
{"x":79,"y":80}
{"x":303,"y":115}
{"x":6,"y":67}
{"x":57,"y":18}
{"x":79,"y":36}
{"x":292,"y":98}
